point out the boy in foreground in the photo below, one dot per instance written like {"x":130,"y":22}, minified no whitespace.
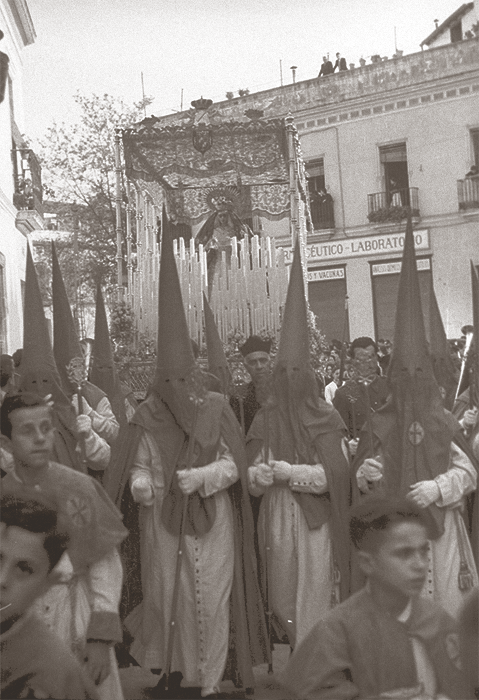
{"x":82,"y":607}
{"x":385,"y":641}
{"x":34,"y":662}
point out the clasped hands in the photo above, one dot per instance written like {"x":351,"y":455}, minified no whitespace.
{"x":276,"y":471}
{"x":190,"y":480}
{"x":422,"y":493}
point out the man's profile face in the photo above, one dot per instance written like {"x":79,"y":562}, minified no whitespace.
{"x":365,"y":362}
{"x":24,"y":569}
{"x":32,"y":435}
{"x":257,"y":364}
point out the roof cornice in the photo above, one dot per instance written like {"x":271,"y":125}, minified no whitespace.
{"x":22,"y":20}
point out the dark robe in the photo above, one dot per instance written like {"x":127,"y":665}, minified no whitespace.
{"x":35,"y":664}
{"x":360,"y":651}
{"x":350,"y":399}
{"x":251,"y":406}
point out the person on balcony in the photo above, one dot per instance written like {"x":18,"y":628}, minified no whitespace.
{"x":326,"y":67}
{"x":340,"y":63}
{"x":395,"y":194}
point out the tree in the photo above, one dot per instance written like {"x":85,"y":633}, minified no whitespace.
{"x":78,"y":165}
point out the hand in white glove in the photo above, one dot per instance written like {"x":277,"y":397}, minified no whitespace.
{"x":264,"y":475}
{"x":370,"y":470}
{"x":190,"y":480}
{"x":142,"y":490}
{"x":423,"y":493}
{"x":282,"y":471}
{"x":353,"y":446}
{"x":86,"y":409}
{"x":469,"y":418}
{"x":83,"y":425}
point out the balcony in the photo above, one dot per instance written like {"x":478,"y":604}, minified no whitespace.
{"x":468,"y":193}
{"x":28,"y":195}
{"x":322,"y":211}
{"x":393,"y":207}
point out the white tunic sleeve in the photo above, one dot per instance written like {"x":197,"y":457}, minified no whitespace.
{"x":254,"y":488}
{"x":459,"y":480}
{"x":146,"y":476}
{"x":220,"y":474}
{"x":308,"y":478}
{"x":97,"y":451}
{"x":105,"y":578}
{"x":104,"y":422}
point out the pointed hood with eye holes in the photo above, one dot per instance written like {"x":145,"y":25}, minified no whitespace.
{"x":38,"y":370}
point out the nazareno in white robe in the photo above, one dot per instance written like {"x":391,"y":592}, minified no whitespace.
{"x":301,"y":580}
{"x":202,"y":623}
{"x":445,"y":553}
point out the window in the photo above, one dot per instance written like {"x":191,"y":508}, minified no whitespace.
{"x":456,"y":32}
{"x":327,"y":296}
{"x":320,"y":201}
{"x":394,"y":169}
{"x":385,"y":284}
{"x":475,"y":146}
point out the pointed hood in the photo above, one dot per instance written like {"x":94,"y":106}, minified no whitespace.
{"x":475,"y":323}
{"x":66,"y":344}
{"x":442,"y":364}
{"x":103,"y":371}
{"x":304,"y":415}
{"x":38,"y":369}
{"x":217,"y":362}
{"x":175,"y":358}
{"x":293,"y":349}
{"x":417,"y":445}
{"x":410,"y":350}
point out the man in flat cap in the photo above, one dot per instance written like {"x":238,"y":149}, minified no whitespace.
{"x":257,"y":361}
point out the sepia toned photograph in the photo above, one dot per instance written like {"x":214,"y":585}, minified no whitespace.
{"x":239,"y":360}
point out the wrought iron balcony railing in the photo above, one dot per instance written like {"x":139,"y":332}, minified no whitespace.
{"x":322,"y":211}
{"x":468,"y":193}
{"x":27,"y":171}
{"x":394,"y":205}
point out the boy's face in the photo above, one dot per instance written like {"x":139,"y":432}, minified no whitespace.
{"x":32,"y":435}
{"x":24,"y":570}
{"x":400,"y":562}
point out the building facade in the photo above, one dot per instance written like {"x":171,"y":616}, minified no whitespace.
{"x":20,"y":176}
{"x":380,"y":140}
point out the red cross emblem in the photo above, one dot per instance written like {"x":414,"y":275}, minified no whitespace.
{"x":78,"y":511}
{"x":415,"y":433}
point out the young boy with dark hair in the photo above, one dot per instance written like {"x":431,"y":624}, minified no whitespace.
{"x":82,"y":607}
{"x":34,"y":662}
{"x":384,"y":641}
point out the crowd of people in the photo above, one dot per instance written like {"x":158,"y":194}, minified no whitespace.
{"x":192,"y":534}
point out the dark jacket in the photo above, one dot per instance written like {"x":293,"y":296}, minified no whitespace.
{"x":326,"y":69}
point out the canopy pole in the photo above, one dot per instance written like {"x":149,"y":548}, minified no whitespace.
{"x":119,"y":255}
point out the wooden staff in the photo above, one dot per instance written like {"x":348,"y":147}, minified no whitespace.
{"x":369,"y":424}
{"x":179,"y":554}
{"x":263,"y":395}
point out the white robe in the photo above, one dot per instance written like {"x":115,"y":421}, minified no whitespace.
{"x":301,"y":581}
{"x":444,"y":554}
{"x":202,"y":620}
{"x":66,"y":609}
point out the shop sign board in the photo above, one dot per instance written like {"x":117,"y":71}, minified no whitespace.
{"x":360,"y":246}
